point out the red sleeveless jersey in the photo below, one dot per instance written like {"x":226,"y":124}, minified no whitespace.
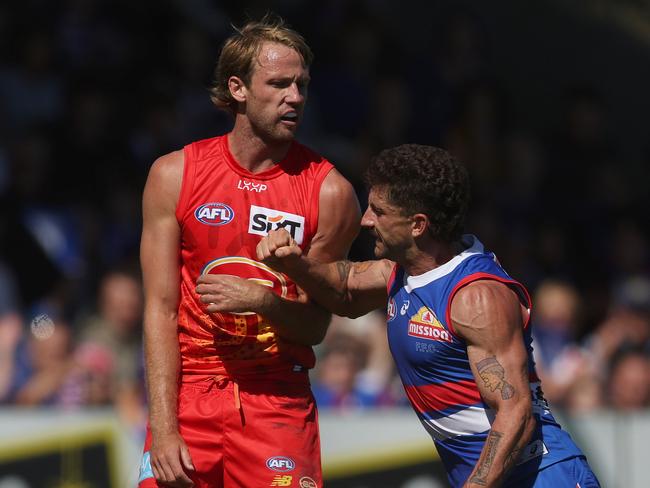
{"x":224,"y":210}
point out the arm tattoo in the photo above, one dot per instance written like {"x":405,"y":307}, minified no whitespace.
{"x":362,"y":267}
{"x":517,"y":450}
{"x":483,"y":468}
{"x":511,"y":459}
{"x":343,"y":267}
{"x":493,"y":376}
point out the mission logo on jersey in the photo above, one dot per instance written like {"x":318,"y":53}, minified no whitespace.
{"x":426,"y":325}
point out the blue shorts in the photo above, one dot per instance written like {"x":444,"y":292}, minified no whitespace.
{"x":570,"y":473}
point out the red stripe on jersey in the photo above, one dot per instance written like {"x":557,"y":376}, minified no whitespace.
{"x":391,"y":279}
{"x":441,"y":396}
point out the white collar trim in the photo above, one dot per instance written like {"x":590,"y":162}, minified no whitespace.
{"x":473,"y":246}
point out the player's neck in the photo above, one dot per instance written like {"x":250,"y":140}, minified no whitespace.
{"x":253,"y":153}
{"x":428,"y":256}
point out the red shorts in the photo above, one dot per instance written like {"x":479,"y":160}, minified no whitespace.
{"x":247,"y":435}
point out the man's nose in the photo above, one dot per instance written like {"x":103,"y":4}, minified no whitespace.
{"x":367,"y":220}
{"x":294,"y":94}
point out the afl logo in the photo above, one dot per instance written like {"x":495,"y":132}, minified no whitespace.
{"x":280,"y":463}
{"x":214,"y":214}
{"x":391,"y":309}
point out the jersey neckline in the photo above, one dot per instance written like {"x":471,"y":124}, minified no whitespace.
{"x":472,"y":246}
{"x":273,"y":172}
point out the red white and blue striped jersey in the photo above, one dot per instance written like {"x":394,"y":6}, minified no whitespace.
{"x":433,"y":365}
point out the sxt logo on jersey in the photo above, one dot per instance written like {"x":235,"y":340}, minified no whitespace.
{"x":214,"y":214}
{"x":426,"y":325}
{"x":263,"y":220}
{"x":280,"y":463}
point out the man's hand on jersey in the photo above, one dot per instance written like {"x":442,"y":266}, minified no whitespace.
{"x":170,"y":459}
{"x":226,"y":293}
{"x":278,"y":250}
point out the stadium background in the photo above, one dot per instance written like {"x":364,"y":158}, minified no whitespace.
{"x":546,"y":103}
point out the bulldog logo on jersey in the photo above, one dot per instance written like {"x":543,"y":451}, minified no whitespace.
{"x":262,"y":220}
{"x":425,"y":325}
{"x":391,"y":309}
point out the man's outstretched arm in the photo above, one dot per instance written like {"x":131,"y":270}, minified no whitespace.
{"x":342,"y":287}
{"x":489,"y":317}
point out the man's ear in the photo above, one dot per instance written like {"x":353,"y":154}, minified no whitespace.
{"x":237,"y":88}
{"x":419,"y":224}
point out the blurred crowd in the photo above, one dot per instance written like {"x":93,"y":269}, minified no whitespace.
{"x":93,"y":91}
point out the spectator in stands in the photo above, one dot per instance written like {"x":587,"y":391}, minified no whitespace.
{"x":375,"y":379}
{"x":44,"y":373}
{"x":624,"y":327}
{"x":343,"y":357}
{"x":111,"y":343}
{"x":585,"y":395}
{"x":11,"y":331}
{"x":560,"y":360}
{"x":629,"y":380}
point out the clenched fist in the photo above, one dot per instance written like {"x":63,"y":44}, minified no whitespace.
{"x":278,"y":250}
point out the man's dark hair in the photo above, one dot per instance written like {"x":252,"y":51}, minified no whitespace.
{"x":424,"y":179}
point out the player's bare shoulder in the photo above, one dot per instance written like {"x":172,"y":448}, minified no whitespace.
{"x":167,"y":170}
{"x":165,"y":179}
{"x":484,"y":305}
{"x":336,"y":187}
{"x":338,"y":218}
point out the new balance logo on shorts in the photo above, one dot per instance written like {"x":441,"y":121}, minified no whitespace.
{"x":282,"y":480}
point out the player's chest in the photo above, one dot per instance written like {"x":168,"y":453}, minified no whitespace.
{"x":245,"y":209}
{"x":416,"y":334}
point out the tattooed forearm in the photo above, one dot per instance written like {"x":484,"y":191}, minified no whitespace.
{"x":487,"y":458}
{"x":511,"y":459}
{"x":363,"y":267}
{"x":517,"y":450}
{"x":493,"y":376}
{"x":343,"y":267}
